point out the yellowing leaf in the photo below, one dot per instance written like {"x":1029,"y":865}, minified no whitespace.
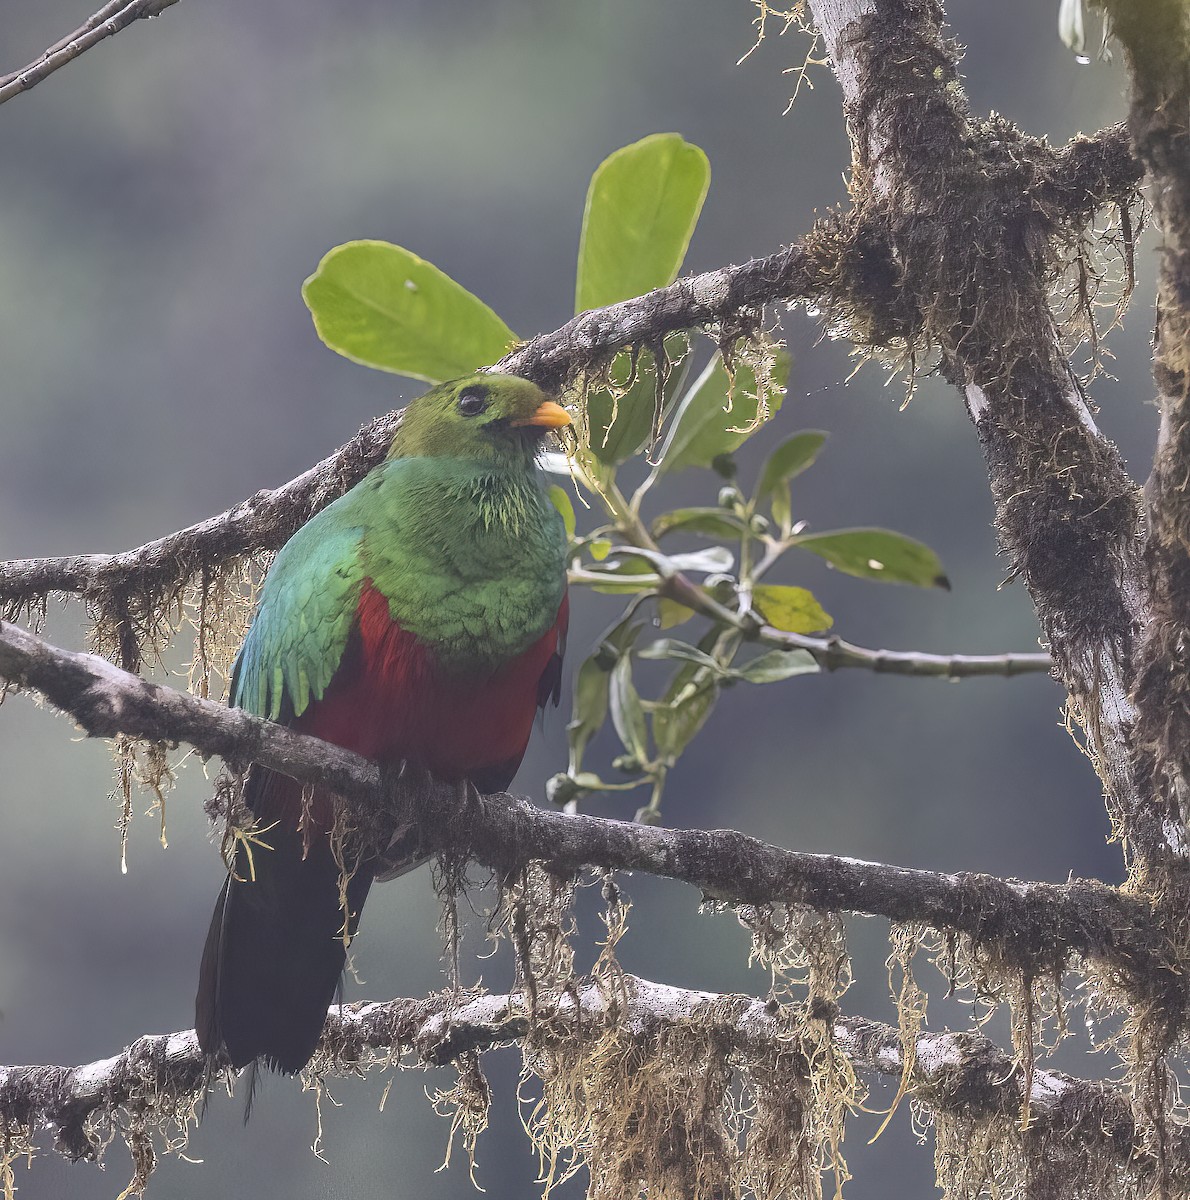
{"x":792,"y":609}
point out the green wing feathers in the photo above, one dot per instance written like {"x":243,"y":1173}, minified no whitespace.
{"x":305,"y":616}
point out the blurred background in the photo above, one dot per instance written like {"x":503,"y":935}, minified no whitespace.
{"x":163,"y":199}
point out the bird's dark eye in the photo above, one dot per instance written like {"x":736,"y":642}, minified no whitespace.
{"x":472,"y":401}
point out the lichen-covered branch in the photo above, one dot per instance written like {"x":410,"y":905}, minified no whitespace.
{"x":1156,"y":38}
{"x":962,"y":1074}
{"x":109,"y":20}
{"x":1039,"y":925}
{"x":980,"y":248}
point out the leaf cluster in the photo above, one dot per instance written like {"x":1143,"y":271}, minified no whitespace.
{"x":385,"y":307}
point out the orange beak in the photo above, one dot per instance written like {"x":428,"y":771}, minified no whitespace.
{"x":549,"y":416}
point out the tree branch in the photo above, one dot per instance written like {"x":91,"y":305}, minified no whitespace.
{"x":1038,"y":925}
{"x":963,"y":1074}
{"x":837,"y":260}
{"x":107,"y":22}
{"x":1156,"y":37}
{"x":1067,"y":514}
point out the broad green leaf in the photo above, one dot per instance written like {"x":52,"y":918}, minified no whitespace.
{"x":703,"y":428}
{"x":672,"y":648}
{"x":713,"y":522}
{"x":877,"y":554}
{"x":792,"y":609}
{"x":790,"y":458}
{"x":600,"y":548}
{"x":776,"y":665}
{"x":380,"y":305}
{"x":561,"y":501}
{"x":628,"y":716}
{"x":642,"y":205}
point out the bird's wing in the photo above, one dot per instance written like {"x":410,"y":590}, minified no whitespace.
{"x":306,"y":611}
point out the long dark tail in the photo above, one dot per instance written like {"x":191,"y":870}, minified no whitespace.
{"x":275,"y":951}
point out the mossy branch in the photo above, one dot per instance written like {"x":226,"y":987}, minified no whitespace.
{"x":928,"y":173}
{"x":964,"y":1073}
{"x":1156,"y":38}
{"x":1039,"y":925}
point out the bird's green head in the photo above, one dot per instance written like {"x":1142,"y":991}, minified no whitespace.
{"x":482,"y":416}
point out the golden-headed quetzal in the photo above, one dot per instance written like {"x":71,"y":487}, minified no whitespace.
{"x":420,"y":617}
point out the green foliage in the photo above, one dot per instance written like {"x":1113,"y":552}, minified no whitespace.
{"x":877,"y":554}
{"x":383,"y":306}
{"x":792,"y":609}
{"x":642,"y":206}
{"x":718,"y":414}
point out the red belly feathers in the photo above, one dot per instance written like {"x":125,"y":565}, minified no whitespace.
{"x":390,"y":700}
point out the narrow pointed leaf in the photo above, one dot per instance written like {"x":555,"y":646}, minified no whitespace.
{"x":777,"y":665}
{"x":671,"y":648}
{"x":628,"y":716}
{"x":380,"y":305}
{"x":591,"y":683}
{"x":877,"y":554}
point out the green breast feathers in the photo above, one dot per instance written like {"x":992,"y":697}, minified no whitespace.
{"x":469,"y":554}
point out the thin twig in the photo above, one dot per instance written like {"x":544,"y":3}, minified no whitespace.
{"x":108,"y":21}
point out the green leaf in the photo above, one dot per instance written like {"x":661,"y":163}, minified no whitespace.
{"x":877,"y":554}
{"x":792,"y":609}
{"x":620,"y":576}
{"x":380,"y":305}
{"x":642,"y":205}
{"x":703,"y":429}
{"x":628,"y":716}
{"x":790,"y":458}
{"x":711,"y":561}
{"x":619,"y":429}
{"x":674,"y":725}
{"x":713,"y":522}
{"x":561,"y":501}
{"x":671,"y":614}
{"x":591,"y":687}
{"x":672,"y":648}
{"x":777,"y":665}
{"x":590,"y":707}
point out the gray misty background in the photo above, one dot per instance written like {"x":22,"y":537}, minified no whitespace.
{"x":162,"y":200}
